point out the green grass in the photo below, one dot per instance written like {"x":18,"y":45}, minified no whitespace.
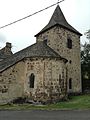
{"x":76,"y":102}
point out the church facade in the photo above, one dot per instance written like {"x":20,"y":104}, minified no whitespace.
{"x":47,"y":70}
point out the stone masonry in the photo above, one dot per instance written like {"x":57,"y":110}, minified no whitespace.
{"x":12,"y":83}
{"x":59,"y":35}
{"x":50,"y":79}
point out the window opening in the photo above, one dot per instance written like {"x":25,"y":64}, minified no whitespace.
{"x":70,"y":83}
{"x":70,"y":61}
{"x":31,"y":80}
{"x":69,"y":43}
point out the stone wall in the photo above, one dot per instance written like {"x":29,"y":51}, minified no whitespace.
{"x":50,"y":79}
{"x":57,"y":40}
{"x":12,"y":82}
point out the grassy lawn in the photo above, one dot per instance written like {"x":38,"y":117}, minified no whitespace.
{"x":76,"y":102}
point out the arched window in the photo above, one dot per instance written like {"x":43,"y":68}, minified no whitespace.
{"x":31,"y":80}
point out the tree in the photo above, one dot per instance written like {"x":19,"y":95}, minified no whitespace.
{"x":85,"y":67}
{"x":88,"y":34}
{"x":85,"y":61}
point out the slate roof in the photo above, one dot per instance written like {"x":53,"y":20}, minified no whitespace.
{"x":58,"y":19}
{"x":39,"y":49}
{"x":3,"y":55}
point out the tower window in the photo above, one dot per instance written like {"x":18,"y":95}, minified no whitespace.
{"x":70,"y":83}
{"x":70,"y":61}
{"x":31,"y":80}
{"x":45,"y":41}
{"x":69,"y":43}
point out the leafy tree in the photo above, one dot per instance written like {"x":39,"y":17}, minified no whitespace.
{"x":85,"y":61}
{"x":87,"y":34}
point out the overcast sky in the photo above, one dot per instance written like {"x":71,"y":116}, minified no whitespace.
{"x":21,"y":34}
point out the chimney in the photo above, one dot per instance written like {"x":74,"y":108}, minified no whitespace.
{"x":8,"y":45}
{"x":7,"y":49}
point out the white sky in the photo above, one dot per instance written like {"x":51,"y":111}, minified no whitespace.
{"x":21,"y":34}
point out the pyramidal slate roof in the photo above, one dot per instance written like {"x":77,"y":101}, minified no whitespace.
{"x":58,"y":19}
{"x":39,"y":49}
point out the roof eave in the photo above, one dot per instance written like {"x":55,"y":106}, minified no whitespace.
{"x":42,"y":31}
{"x":45,"y":57}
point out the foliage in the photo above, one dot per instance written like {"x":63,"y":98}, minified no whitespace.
{"x":85,"y":61}
{"x":87,"y":34}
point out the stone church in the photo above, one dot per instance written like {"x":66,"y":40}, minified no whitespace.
{"x":47,"y":70}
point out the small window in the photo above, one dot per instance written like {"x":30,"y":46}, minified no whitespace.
{"x":45,"y":41}
{"x":70,"y":61}
{"x":31,"y":80}
{"x":69,"y":43}
{"x":70,"y":83}
{"x":59,"y":79}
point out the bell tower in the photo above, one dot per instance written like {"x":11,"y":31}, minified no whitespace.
{"x":65,"y":40}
